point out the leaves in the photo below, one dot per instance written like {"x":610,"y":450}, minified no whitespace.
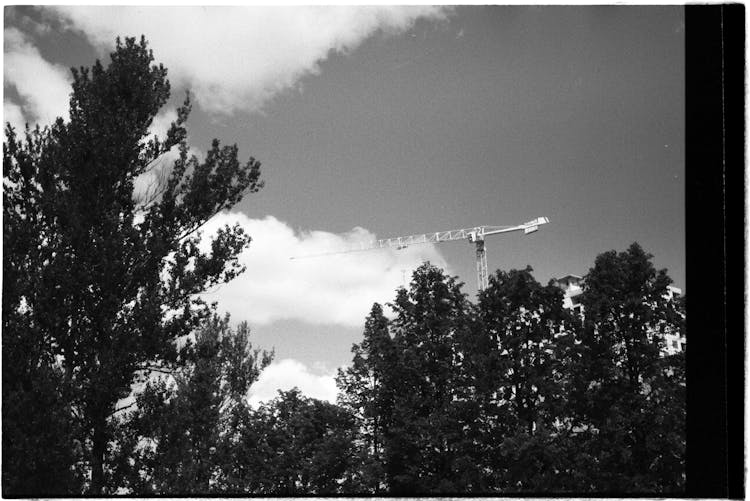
{"x":292,"y":445}
{"x":518,"y":394}
{"x":188,"y":420}
{"x":623,"y":371}
{"x":106,"y":292}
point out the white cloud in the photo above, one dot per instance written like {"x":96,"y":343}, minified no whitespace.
{"x":287,"y":374}
{"x":238,"y":58}
{"x":150,"y":183}
{"x":12,"y":114}
{"x":161,"y":123}
{"x":43,"y":87}
{"x":155,"y":178}
{"x":334,"y":289}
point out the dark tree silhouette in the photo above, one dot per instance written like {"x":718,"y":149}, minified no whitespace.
{"x":518,"y":394}
{"x":629,"y":396}
{"x":183,"y":432}
{"x":107,"y":284}
{"x":368,"y":391}
{"x":296,"y":445}
{"x":526,"y":333}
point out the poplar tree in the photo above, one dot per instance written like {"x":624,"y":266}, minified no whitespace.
{"x":109,"y":282}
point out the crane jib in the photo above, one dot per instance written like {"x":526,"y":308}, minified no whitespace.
{"x":475,"y":235}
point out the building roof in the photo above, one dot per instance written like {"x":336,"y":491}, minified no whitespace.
{"x":567,"y":277}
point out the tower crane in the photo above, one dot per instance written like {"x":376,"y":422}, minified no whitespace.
{"x":475,"y":235}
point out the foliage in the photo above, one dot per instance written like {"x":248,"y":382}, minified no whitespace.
{"x":295,"y":445}
{"x":368,"y":393}
{"x":518,"y":394}
{"x":90,"y":261}
{"x":37,"y":430}
{"x":521,"y":376}
{"x":406,"y":388}
{"x":425,"y":442}
{"x":182,"y":432}
{"x":37,"y":427}
{"x":627,"y":396}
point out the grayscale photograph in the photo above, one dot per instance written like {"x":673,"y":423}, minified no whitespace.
{"x":344,"y":250}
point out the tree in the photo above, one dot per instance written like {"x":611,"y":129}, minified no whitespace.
{"x":411,"y":392}
{"x":522,"y":369}
{"x":295,"y":445}
{"x":628,"y":396}
{"x":92,"y":260}
{"x":186,"y":429}
{"x":367,"y":390}
{"x":37,"y":431}
{"x":424,"y":442}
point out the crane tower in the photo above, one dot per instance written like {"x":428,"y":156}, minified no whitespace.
{"x":475,"y":235}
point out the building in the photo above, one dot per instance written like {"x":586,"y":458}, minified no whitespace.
{"x":572,"y":287}
{"x":675,"y":342}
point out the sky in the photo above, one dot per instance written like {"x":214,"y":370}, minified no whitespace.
{"x":381,"y":121}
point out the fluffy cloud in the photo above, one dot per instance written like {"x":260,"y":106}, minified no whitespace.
{"x":156,"y":177}
{"x":237,"y":58}
{"x":287,"y":374}
{"x":330,"y":289}
{"x":12,"y":114}
{"x":43,"y":87}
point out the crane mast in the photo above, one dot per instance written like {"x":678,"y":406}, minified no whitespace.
{"x":482,"y":271}
{"x":476,"y":235}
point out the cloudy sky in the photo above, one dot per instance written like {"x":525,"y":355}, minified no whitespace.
{"x":373,"y":122}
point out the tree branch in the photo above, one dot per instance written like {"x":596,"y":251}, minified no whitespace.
{"x":155,"y":369}
{"x":123,"y":408}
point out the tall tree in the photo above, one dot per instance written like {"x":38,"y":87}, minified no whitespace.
{"x":425,"y":436}
{"x":367,"y":390}
{"x":111,"y":284}
{"x":526,"y":332}
{"x":38,"y":434}
{"x":628,"y":394}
